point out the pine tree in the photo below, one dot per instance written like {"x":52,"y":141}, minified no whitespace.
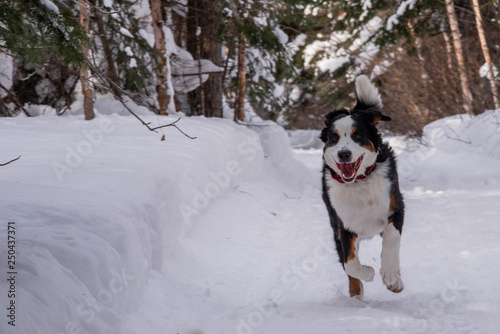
{"x":31,"y":31}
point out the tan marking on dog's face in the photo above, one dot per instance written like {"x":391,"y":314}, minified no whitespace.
{"x":370,"y":147}
{"x":355,"y":287}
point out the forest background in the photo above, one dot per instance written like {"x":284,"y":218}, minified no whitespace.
{"x":290,"y":61}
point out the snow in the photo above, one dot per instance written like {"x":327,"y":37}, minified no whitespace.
{"x":282,"y":36}
{"x":6,"y":72}
{"x":50,"y":5}
{"x":126,"y":32}
{"x":128,"y":51}
{"x":484,"y":71}
{"x":278,"y":90}
{"x":403,"y":7}
{"x":119,"y":232}
{"x":332,"y":64}
{"x":141,"y":8}
{"x":150,"y":38}
{"x":367,"y":5}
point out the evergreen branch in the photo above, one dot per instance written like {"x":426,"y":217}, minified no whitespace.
{"x":5,"y":164}
{"x":102,"y":11}
{"x":107,"y":83}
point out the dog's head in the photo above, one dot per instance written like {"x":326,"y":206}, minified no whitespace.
{"x":351,"y":137}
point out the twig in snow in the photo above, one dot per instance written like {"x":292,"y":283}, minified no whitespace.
{"x":289,"y":197}
{"x":5,"y":164}
{"x":241,"y":191}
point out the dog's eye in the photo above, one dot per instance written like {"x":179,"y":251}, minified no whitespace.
{"x":356,"y":136}
{"x":334,"y":136}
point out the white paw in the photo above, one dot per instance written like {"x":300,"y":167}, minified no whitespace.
{"x":368,"y":273}
{"x":390,"y":274}
{"x":397,"y":287}
{"x":356,"y":270}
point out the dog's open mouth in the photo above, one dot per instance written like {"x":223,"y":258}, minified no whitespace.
{"x":349,"y":170}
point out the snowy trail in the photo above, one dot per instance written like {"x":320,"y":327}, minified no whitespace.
{"x":271,"y":266}
{"x":106,"y":247}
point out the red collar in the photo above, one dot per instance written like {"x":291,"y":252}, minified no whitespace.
{"x":338,"y":178}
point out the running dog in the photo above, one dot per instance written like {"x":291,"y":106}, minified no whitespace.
{"x":361,"y":188}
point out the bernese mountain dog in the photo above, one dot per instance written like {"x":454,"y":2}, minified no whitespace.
{"x":361,"y":188}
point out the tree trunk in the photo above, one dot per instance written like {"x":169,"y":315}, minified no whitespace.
{"x":418,"y":47}
{"x":449,"y":50}
{"x":459,"y":54}
{"x":161,"y":68}
{"x":202,"y":27}
{"x":239,"y":112}
{"x":212,"y":50}
{"x":88,"y":98}
{"x":193,"y":46}
{"x":201,"y":91}
{"x":107,"y":53}
{"x":486,"y":52}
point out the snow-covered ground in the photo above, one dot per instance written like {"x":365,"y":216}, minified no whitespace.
{"x":119,"y":232}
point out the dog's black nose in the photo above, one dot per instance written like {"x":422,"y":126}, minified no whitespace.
{"x":344,"y":155}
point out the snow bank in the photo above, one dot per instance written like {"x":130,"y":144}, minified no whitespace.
{"x":99,"y":205}
{"x":465,"y":133}
{"x":455,"y":152}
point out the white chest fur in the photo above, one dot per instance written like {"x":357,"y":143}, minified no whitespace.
{"x":363,"y":206}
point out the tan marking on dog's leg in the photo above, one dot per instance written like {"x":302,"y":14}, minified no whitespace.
{"x":353,"y":267}
{"x":352,"y":249}
{"x":355,"y":288}
{"x":393,"y":204}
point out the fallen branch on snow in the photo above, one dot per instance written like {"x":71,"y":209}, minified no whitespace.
{"x":5,"y":164}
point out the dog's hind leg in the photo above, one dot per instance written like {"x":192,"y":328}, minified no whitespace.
{"x":352,"y":266}
{"x":355,"y":288}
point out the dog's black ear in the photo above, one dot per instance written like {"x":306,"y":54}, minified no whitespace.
{"x":378,"y":117}
{"x":373,"y":115}
{"x":329,"y":119}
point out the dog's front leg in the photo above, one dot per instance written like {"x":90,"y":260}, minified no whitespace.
{"x":352,"y":266}
{"x":389,"y":270}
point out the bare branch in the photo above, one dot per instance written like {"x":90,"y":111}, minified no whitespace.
{"x":17,"y":68}
{"x":5,"y":164}
{"x":107,"y":83}
{"x":16,"y":101}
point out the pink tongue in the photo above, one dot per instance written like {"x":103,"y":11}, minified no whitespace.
{"x":347,"y":169}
